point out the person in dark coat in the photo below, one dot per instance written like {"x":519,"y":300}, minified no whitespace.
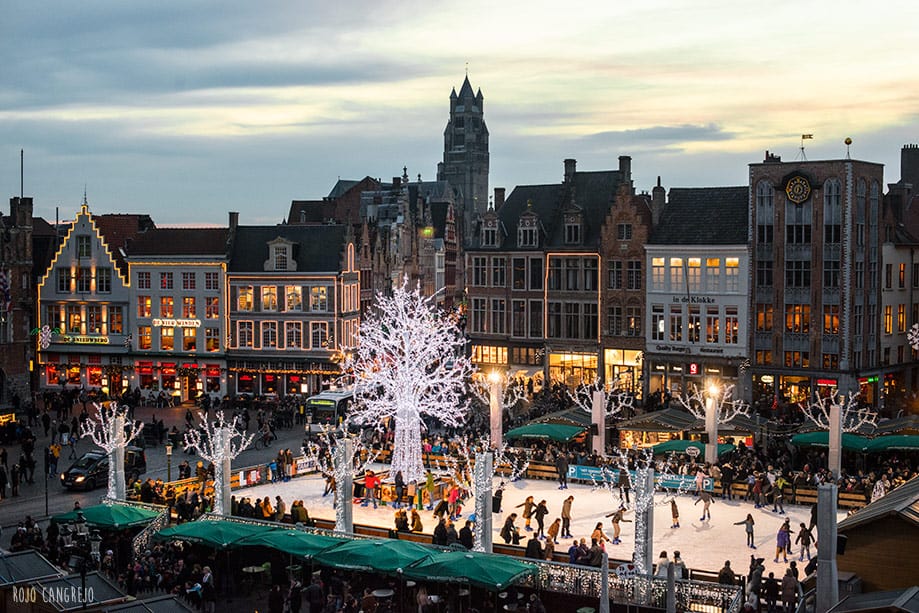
{"x":534,"y":549}
{"x":509,"y":531}
{"x":465,"y":535}
{"x":561,"y":465}
{"x":770,"y":591}
{"x":295,"y":597}
{"x":440,"y":533}
{"x":276,"y":600}
{"x":400,"y":489}
{"x":496,"y":499}
{"x":14,"y":480}
{"x":540,"y":514}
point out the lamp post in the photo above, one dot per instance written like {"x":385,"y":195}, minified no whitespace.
{"x":95,"y":540}
{"x":168,"y":462}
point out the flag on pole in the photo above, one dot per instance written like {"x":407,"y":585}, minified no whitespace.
{"x":806,"y":136}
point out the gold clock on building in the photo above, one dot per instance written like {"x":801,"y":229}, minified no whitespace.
{"x":797,"y":189}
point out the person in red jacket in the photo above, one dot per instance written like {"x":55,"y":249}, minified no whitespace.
{"x":371,"y":481}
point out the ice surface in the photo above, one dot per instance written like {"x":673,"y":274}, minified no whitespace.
{"x":703,"y":545}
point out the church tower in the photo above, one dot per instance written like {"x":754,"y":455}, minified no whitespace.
{"x":465,"y":164}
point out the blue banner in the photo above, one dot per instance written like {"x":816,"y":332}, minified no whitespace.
{"x":673,"y":482}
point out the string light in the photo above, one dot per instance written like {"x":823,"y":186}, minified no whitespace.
{"x":109,"y":430}
{"x":214,"y":442}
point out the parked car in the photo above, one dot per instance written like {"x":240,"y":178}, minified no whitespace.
{"x":91,"y":469}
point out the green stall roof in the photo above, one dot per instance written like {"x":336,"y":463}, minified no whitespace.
{"x":554,"y":432}
{"x":894,"y":442}
{"x":850,"y":442}
{"x":111,"y":516}
{"x":376,"y":555}
{"x":219,"y":534}
{"x":487,"y":570}
{"x":681,"y":447}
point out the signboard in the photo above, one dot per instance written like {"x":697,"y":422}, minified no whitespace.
{"x":693,"y":452}
{"x":693,"y":368}
{"x":84,"y":340}
{"x":176,"y":323}
{"x":594,"y":473}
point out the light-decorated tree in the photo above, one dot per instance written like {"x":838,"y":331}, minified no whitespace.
{"x":499,"y":393}
{"x":838,"y":413}
{"x":340,"y":456}
{"x":647,"y":478}
{"x":409,"y":363}
{"x":716,"y":405}
{"x":601,"y":403}
{"x":219,"y":442}
{"x":109,"y":429}
{"x":913,"y":336}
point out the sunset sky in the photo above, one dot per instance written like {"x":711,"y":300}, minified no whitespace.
{"x":186,"y":110}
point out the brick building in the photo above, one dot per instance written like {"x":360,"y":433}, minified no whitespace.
{"x":816,"y":303}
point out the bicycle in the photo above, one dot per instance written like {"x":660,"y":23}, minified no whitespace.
{"x":265,"y":440}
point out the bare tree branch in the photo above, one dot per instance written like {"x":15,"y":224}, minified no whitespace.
{"x":727,"y":407}
{"x":853,"y":416}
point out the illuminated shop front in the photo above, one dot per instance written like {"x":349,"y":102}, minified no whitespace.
{"x":623,"y":367}
{"x":572,"y":369}
{"x":682,"y":377}
{"x":281,"y":378}
{"x":489,"y":355}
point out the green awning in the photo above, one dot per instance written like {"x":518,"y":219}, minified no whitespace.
{"x":111,"y":516}
{"x":898,"y":442}
{"x":554,"y":432}
{"x":681,"y":447}
{"x":850,"y":442}
{"x":377,"y":555}
{"x":219,"y":534}
{"x":490,"y":571}
{"x":293,"y":542}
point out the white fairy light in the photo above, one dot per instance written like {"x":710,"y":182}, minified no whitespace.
{"x":617,"y":401}
{"x":409,"y":363}
{"x":727,"y":407}
{"x":913,"y":337}
{"x":214,"y":442}
{"x":854,"y":417}
{"x":109,"y":429}
{"x":342,"y":463}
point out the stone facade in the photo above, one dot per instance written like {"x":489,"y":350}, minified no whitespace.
{"x":16,"y":303}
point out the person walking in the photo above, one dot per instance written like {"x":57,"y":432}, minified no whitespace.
{"x":727,"y":480}
{"x":528,"y":506}
{"x":566,"y":517}
{"x":497,"y":498}
{"x":749,"y":523}
{"x":400,"y":489}
{"x":540,"y":514}
{"x":624,"y":483}
{"x":707,"y":500}
{"x":789,"y":591}
{"x":771,"y":593}
{"x":617,"y":516}
{"x":805,"y":538}
{"x":561,"y":465}
{"x":782,"y":542}
{"x":674,"y":513}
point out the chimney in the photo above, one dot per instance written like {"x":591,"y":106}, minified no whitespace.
{"x":397,"y":183}
{"x":658,"y":200}
{"x":499,"y":198}
{"x":571,"y":167}
{"x":625,"y":167}
{"x":234,"y":220}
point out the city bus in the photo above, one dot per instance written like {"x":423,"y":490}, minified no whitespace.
{"x":328,"y":407}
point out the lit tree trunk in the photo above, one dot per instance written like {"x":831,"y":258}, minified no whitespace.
{"x":827,"y":576}
{"x":604,"y":583}
{"x":834,"y":458}
{"x":598,"y":418}
{"x":494,"y":410}
{"x":344,"y":485}
{"x":116,"y":485}
{"x":222,"y":472}
{"x":711,"y":428}
{"x":407,"y":450}
{"x":483,"y":471}
{"x":644,"y":520}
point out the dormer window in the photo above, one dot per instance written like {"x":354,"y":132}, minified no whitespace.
{"x":280,"y":258}
{"x":527,"y":236}
{"x":572,"y":233}
{"x":490,"y":236}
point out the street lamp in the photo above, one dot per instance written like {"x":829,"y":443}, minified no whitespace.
{"x":168,"y":462}
{"x":711,"y":422}
{"x":95,"y":540}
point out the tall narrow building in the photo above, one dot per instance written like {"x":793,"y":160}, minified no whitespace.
{"x":465,"y":164}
